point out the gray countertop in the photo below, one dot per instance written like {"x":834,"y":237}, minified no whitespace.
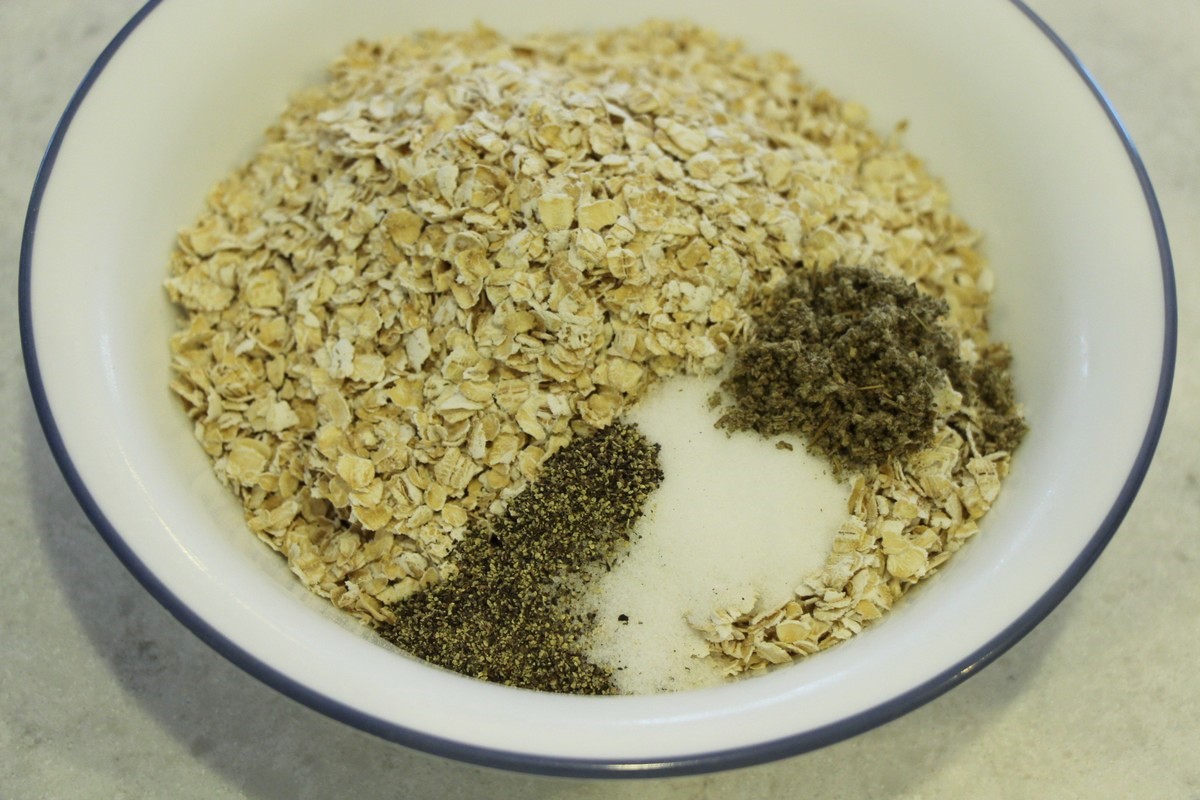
{"x":103,"y":694}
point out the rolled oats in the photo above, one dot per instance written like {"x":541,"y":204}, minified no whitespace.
{"x":460,"y":250}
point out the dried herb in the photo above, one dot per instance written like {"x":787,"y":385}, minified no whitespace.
{"x":504,"y":617}
{"x":1000,"y":425}
{"x":852,"y":360}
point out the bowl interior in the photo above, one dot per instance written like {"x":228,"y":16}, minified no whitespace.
{"x":1027,"y":150}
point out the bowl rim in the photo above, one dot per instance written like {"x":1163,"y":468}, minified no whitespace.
{"x":576,"y":767}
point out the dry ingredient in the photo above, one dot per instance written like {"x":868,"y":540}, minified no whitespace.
{"x":461,"y":252}
{"x":999,"y":423}
{"x":508,"y":613}
{"x":857,"y":362}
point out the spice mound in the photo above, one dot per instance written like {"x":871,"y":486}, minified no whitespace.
{"x":859,"y":362}
{"x":507,"y":614}
{"x":453,"y":268}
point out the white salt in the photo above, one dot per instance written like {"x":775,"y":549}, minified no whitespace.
{"x":736,"y":519}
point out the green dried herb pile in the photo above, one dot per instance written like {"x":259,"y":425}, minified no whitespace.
{"x":853,"y":360}
{"x":506,"y":615}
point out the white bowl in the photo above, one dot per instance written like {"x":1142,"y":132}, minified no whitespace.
{"x":999,"y":108}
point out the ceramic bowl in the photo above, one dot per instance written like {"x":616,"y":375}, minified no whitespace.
{"x":997,"y":106}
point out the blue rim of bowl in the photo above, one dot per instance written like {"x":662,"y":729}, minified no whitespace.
{"x":577,"y":767}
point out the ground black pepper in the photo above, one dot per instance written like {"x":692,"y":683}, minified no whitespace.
{"x":505,"y":617}
{"x":851,"y":359}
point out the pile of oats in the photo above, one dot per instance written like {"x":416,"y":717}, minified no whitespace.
{"x":462,"y":250}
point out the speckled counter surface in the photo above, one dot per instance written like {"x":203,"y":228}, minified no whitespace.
{"x":104,"y":695}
